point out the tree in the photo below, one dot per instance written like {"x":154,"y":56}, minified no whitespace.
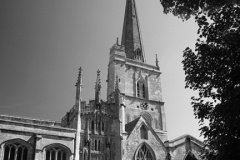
{"x":213,"y":69}
{"x":185,"y":8}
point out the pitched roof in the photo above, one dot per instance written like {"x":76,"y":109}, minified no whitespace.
{"x":130,"y":126}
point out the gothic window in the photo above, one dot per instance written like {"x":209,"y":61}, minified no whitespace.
{"x":95,"y":148}
{"x":99,"y":145}
{"x":143,"y":132}
{"x":141,"y":90}
{"x":92,"y":126}
{"x":55,"y":153}
{"x":103,"y":126}
{"x":15,"y":151}
{"x":144,"y":153}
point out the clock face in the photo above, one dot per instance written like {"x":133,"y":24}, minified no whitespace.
{"x":144,"y":106}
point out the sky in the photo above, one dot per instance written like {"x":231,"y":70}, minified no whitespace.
{"x":43,"y":43}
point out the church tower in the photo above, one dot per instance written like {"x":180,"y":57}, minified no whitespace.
{"x":139,"y":82}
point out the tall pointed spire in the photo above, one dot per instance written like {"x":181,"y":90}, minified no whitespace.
{"x":78,"y":107}
{"x":131,"y":35}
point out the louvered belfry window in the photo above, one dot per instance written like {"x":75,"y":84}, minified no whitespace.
{"x":15,"y":151}
{"x":141,"y":90}
{"x":144,"y":153}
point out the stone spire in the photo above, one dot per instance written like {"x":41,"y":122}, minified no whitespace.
{"x":98,"y":88}
{"x":78,"y":110}
{"x":131,"y":35}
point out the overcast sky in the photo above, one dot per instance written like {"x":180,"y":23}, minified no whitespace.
{"x":43,"y":43}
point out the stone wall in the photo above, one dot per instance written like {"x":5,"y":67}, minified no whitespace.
{"x":36,"y":135}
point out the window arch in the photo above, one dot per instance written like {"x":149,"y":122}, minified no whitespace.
{"x":144,"y":153}
{"x":143,"y":132}
{"x":141,"y":89}
{"x":16,"y":149}
{"x":56,"y":152}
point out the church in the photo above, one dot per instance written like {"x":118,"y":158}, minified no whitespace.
{"x":129,"y":125}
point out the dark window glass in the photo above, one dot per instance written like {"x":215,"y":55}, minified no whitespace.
{"x":19,"y":154}
{"x":144,"y":133}
{"x":6,"y":153}
{"x":53,"y":155}
{"x":95,"y":145}
{"x":48,"y":155}
{"x":99,"y":145}
{"x":12,"y":153}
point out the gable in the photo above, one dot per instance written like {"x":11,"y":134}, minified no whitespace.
{"x":134,"y":139}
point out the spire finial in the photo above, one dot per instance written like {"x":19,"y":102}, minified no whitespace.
{"x":79,"y":80}
{"x":157,"y":61}
{"x":98,"y":81}
{"x":98,"y":87}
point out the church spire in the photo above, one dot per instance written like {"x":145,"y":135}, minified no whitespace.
{"x":131,"y":36}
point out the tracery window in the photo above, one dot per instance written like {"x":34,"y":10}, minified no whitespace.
{"x":15,"y":151}
{"x":144,"y":153}
{"x":143,"y":132}
{"x":141,"y":91}
{"x":56,"y":153}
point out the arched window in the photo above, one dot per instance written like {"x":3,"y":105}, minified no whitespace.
{"x":143,"y":132}
{"x":99,"y":126}
{"x":95,"y":148}
{"x":92,"y":126}
{"x":103,"y":126}
{"x":56,"y":153}
{"x":144,"y":153}
{"x":141,"y":90}
{"x":99,"y":145}
{"x":15,"y":151}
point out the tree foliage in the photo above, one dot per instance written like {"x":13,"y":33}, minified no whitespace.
{"x":213,"y":69}
{"x":186,"y":8}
